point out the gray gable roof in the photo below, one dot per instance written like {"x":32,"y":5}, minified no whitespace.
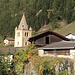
{"x":59,"y":45}
{"x":10,"y":39}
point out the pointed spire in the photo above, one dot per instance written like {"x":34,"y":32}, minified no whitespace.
{"x":23,"y":23}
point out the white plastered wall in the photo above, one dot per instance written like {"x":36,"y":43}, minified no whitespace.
{"x":72,"y":53}
{"x":41,"y":52}
{"x":6,"y":42}
{"x":18,"y":39}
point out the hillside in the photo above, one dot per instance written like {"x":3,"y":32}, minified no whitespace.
{"x":66,"y":29}
{"x":37,"y":12}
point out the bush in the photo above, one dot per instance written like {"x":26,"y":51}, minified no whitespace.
{"x":1,"y":39}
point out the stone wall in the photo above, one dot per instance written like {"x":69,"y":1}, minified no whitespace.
{"x":29,"y":70}
{"x":66,"y":64}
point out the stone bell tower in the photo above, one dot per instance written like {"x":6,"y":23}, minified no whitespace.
{"x":22,"y":33}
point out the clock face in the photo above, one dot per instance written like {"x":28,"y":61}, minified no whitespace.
{"x":22,"y":25}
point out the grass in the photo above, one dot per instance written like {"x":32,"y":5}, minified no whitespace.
{"x":66,"y":29}
{"x":2,"y":45}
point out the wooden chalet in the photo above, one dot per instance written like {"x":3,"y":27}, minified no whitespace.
{"x":46,"y":38}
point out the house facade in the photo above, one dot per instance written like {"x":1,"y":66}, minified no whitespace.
{"x":46,"y":38}
{"x":58,"y":49}
{"x":8,"y":41}
{"x":22,"y":33}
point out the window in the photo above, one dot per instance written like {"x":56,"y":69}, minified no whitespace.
{"x":47,"y":40}
{"x":27,"y":34}
{"x":18,"y":33}
{"x":25,"y":43}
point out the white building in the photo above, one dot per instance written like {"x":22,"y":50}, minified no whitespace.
{"x":22,"y":33}
{"x":71,"y":36}
{"x":8,"y":41}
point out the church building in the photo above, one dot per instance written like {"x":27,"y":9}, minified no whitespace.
{"x":22,"y":33}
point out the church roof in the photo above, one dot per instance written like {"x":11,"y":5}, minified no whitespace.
{"x":23,"y":23}
{"x":10,"y":39}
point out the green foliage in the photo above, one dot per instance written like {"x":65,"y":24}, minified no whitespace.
{"x":46,"y":69}
{"x":5,"y":64}
{"x":73,"y":16}
{"x":38,"y":12}
{"x":21,"y":57}
{"x":31,"y":47}
{"x":1,"y":39}
{"x":19,"y":68}
{"x":53,"y":25}
{"x":18,"y":62}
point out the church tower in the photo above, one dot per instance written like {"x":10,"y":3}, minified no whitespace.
{"x":22,"y":34}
